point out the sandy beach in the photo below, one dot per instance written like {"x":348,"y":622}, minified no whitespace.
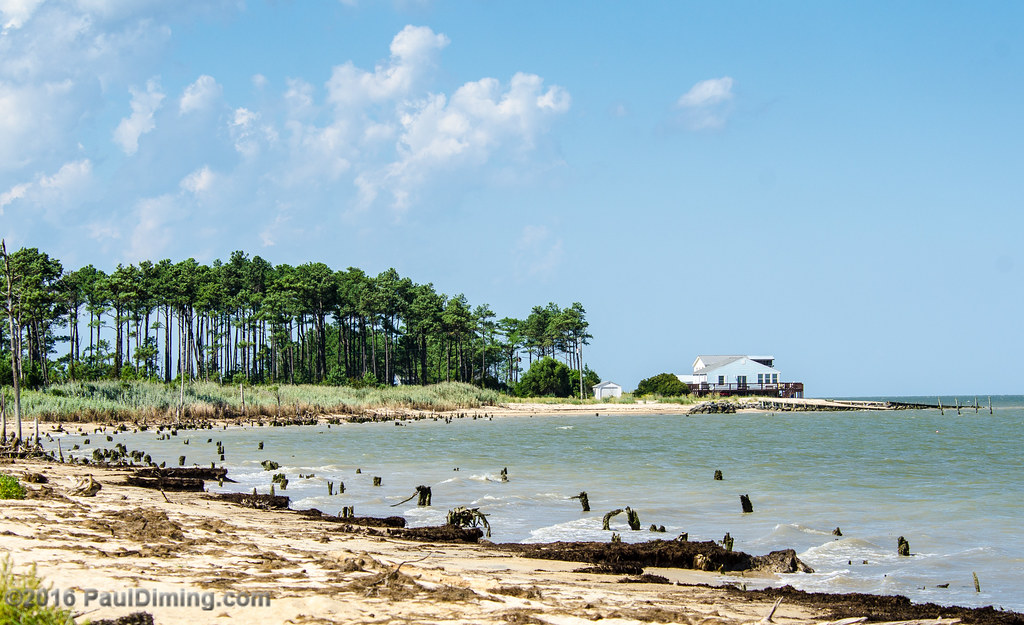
{"x":145,"y":542}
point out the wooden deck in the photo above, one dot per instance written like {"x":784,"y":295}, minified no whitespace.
{"x":779,"y":389}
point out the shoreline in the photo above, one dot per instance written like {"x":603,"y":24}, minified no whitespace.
{"x":745,"y":405}
{"x":129,"y":538}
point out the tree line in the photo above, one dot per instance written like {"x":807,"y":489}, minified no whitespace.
{"x":249,"y":320}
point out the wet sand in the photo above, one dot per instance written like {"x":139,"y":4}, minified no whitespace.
{"x":126,"y":538}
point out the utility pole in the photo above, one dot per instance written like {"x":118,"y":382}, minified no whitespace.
{"x":579,"y":353}
{"x":15,"y":339}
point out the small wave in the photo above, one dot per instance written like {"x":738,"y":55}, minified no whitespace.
{"x":565,"y":427}
{"x":487,"y":477}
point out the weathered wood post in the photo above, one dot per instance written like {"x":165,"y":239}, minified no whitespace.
{"x":745,"y":503}
{"x":260,"y":446}
{"x":718,"y":474}
{"x":504,"y":474}
{"x":941,"y":411}
{"x":957,"y":400}
{"x":633,"y":519}
{"x":376,"y":480}
{"x":975,"y":404}
{"x":977,"y":584}
{"x":330,"y":488}
{"x":608,"y":517}
{"x":837,"y":532}
{"x":424,"y":493}
{"x":902,"y":546}
{"x":181,"y":461}
{"x":584,"y":500}
{"x":727,"y":542}
{"x":990,"y":404}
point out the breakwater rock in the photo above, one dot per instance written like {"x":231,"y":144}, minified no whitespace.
{"x":714,"y":407}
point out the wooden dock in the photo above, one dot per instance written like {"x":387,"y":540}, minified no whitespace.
{"x":791,"y":404}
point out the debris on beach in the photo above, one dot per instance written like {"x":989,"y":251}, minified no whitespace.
{"x":707,"y":555}
{"x":259,"y":502}
{"x":86,"y":487}
{"x":463,"y":517}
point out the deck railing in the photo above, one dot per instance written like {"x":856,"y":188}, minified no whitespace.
{"x":779,"y":389}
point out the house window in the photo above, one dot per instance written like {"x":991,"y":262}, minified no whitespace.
{"x":741,"y":380}
{"x":760,"y":378}
{"x":721,"y":379}
{"x":775,"y":378}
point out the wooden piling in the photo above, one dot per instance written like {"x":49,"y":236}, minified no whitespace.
{"x":957,"y":400}
{"x":990,"y":404}
{"x":941,"y":411}
{"x":745,"y":503}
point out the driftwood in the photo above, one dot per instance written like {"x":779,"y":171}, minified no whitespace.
{"x":174,"y":484}
{"x":706,"y":555}
{"x":439,"y":534}
{"x":902,"y":546}
{"x":463,"y":517}
{"x":86,"y":487}
{"x":608,"y":517}
{"x":262,"y":502}
{"x":745,"y":503}
{"x":584,"y":500}
{"x":202,"y":473}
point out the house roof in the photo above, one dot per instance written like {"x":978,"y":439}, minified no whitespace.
{"x":712,"y":362}
{"x":605,"y":385}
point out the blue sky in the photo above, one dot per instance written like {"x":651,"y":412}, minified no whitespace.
{"x":838,"y":184}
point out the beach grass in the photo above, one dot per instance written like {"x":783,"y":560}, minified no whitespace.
{"x":26,"y":599}
{"x":10,"y":488}
{"x":107,"y":401}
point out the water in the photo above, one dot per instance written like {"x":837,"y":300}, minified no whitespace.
{"x":952,"y":485}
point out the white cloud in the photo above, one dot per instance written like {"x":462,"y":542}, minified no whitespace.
{"x":16,"y":192}
{"x":16,"y":12}
{"x":708,"y":92}
{"x":52,"y":194}
{"x":248,"y":135}
{"x":482,"y":118}
{"x":199,"y":181}
{"x":707,"y":104}
{"x":144,"y":105}
{"x":414,"y":52}
{"x":201,"y":94}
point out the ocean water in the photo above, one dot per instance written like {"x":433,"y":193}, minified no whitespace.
{"x":952,"y":485}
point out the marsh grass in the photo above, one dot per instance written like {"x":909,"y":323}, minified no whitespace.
{"x":129,"y":400}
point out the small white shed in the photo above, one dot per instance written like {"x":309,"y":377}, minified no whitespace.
{"x":607,"y":389}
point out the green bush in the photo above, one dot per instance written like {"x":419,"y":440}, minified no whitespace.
{"x":10,"y":488}
{"x":664,"y":384}
{"x":23,"y":595}
{"x":546,"y":378}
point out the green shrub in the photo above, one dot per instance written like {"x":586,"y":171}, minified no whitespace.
{"x":23,"y":595}
{"x":546,"y":378}
{"x":10,"y":488}
{"x":664,"y":384}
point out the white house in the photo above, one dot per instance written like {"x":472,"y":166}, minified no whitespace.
{"x":738,"y":374}
{"x":607,"y":389}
